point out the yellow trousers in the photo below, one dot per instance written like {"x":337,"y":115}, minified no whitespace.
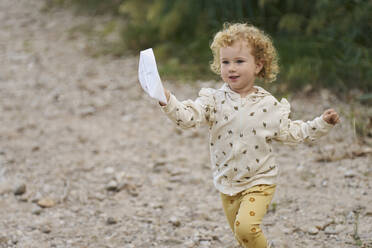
{"x":245,"y":212}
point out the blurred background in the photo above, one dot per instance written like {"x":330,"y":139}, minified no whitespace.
{"x":321,"y":43}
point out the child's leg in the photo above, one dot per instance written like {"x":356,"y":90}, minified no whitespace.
{"x":254,"y":205}
{"x":231,"y":206}
{"x":245,"y":212}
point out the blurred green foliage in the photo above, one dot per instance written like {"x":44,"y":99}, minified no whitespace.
{"x":322,"y":43}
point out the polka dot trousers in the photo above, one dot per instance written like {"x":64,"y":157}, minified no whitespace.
{"x":245,"y":212}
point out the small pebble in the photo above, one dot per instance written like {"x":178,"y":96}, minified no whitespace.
{"x":45,"y":229}
{"x":349,"y":174}
{"x":112,"y":186}
{"x":46,"y":203}
{"x":20,"y":189}
{"x":111,"y":221}
{"x":36,"y":197}
{"x":334,"y":230}
{"x":89,"y":110}
{"x":99,"y":196}
{"x":109,"y":170}
{"x":36,"y":210}
{"x":174,"y":221}
{"x":312,"y":231}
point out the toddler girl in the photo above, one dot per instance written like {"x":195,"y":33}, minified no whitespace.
{"x":243,"y":120}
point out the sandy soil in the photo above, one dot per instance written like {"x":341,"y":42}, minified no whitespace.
{"x":87,"y":160}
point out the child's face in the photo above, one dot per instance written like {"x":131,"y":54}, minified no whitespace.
{"x":238,"y":67}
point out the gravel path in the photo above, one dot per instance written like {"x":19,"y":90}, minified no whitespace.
{"x":87,"y":160}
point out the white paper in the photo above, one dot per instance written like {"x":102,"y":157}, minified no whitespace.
{"x":149,"y":77}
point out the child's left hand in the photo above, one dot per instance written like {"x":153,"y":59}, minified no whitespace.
{"x":331,"y":116}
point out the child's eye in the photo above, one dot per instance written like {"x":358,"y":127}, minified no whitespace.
{"x":225,"y":62}
{"x":239,"y":61}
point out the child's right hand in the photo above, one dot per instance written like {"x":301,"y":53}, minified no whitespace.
{"x":167,"y":95}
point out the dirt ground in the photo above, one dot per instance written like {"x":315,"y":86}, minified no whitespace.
{"x":88,"y":160}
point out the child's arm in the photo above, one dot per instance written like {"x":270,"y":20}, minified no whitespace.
{"x":189,"y":113}
{"x":292,"y":132}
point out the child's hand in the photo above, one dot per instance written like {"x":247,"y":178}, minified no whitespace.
{"x":331,"y":117}
{"x":167,"y":95}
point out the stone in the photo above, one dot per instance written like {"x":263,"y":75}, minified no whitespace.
{"x":172,"y":242}
{"x":46,"y":203}
{"x":23,"y":198}
{"x":99,"y":196}
{"x":45,"y":229}
{"x":109,"y":170}
{"x":334,"y":229}
{"x":312,"y":230}
{"x":20,"y":189}
{"x":205,"y":243}
{"x":131,"y":189}
{"x":368,"y":212}
{"x":86,"y":111}
{"x":112,"y":186}
{"x":36,"y":210}
{"x":111,"y":221}
{"x":350,"y":174}
{"x":174,"y":221}
{"x":36,"y":197}
{"x":330,"y":230}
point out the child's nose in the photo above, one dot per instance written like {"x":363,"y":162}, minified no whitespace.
{"x":232,"y":67}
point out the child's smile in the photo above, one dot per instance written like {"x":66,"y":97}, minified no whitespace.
{"x":238,"y":67}
{"x":233,"y":78}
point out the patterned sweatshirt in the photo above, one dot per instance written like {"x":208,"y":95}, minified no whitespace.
{"x":241,"y":131}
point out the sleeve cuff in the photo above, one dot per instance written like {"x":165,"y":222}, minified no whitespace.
{"x":171,"y":105}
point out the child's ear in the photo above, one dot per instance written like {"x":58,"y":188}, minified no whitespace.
{"x":259,"y":66}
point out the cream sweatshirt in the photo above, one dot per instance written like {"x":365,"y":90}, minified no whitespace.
{"x":241,"y":131}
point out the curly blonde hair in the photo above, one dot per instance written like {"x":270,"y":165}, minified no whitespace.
{"x":261,"y":44}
